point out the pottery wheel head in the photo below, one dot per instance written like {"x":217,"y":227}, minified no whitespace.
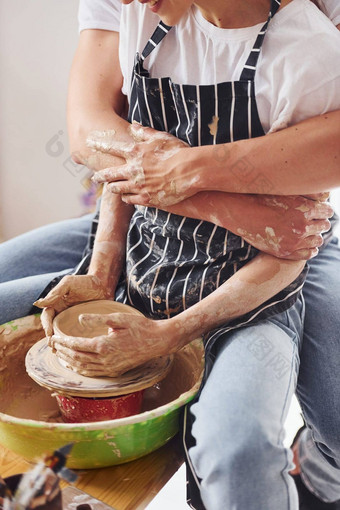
{"x":46,"y":369}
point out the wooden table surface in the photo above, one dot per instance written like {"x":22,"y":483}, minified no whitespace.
{"x":128,"y":486}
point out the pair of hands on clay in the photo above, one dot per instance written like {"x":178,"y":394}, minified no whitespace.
{"x":131,"y":339}
{"x":155,"y":174}
{"x":151,"y":175}
{"x":70,"y":291}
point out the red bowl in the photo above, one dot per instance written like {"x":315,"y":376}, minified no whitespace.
{"x":79,"y":409}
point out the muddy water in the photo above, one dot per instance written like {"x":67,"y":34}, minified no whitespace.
{"x":21,"y":397}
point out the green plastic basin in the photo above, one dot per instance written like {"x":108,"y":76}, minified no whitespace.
{"x":96,"y":444}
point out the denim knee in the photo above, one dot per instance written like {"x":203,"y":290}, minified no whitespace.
{"x":241,"y":462}
{"x":327,"y":440}
{"x":249,"y":446}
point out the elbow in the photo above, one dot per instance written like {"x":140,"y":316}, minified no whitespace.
{"x":77,"y":144}
{"x":76,"y":156}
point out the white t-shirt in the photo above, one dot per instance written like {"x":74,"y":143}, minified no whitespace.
{"x":298,"y":72}
{"x":99,"y":14}
{"x":331,"y":8}
{"x":105,"y":14}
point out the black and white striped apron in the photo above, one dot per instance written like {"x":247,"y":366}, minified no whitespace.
{"x":173,"y":261}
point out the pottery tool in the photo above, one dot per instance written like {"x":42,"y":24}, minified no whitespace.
{"x":70,"y":498}
{"x":39,"y":487}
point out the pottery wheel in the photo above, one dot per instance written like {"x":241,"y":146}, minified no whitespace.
{"x":45,"y":368}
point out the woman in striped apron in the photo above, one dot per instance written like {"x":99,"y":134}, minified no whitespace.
{"x":174,"y":262}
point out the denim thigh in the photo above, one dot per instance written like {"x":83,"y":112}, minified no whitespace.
{"x":47,"y":249}
{"x":319,"y":378}
{"x":30,"y":261}
{"x":239,"y":457}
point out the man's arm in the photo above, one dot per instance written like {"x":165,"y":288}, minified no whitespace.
{"x":299,"y":160}
{"x":95,"y":101}
{"x":285,"y":226}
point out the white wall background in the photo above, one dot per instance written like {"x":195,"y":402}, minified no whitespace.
{"x":38,"y":182}
{"x":37,"y":42}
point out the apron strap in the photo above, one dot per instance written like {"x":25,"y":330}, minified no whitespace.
{"x":158,"y":35}
{"x":248,"y":73}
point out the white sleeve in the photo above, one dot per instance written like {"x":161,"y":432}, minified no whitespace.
{"x":331,"y":8}
{"x":320,"y":101}
{"x":99,"y":14}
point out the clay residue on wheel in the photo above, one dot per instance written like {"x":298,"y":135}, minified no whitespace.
{"x":21,"y":397}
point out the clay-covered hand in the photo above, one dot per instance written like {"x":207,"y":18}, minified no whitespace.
{"x":288,"y":227}
{"x":131,"y":341}
{"x":71,"y":290}
{"x":154,"y":173}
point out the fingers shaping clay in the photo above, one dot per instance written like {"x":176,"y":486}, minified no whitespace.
{"x":49,"y":371}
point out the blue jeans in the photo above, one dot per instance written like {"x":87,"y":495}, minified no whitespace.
{"x":239,"y":418}
{"x":30,"y":261}
{"x":319,"y":377}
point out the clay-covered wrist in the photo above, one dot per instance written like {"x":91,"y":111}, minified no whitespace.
{"x":178,"y":333}
{"x":106,"y":282}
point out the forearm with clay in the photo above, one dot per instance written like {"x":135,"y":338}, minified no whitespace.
{"x":300,"y":160}
{"x":256,"y":282}
{"x":108,"y":256}
{"x":287,"y":227}
{"x":105,"y":268}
